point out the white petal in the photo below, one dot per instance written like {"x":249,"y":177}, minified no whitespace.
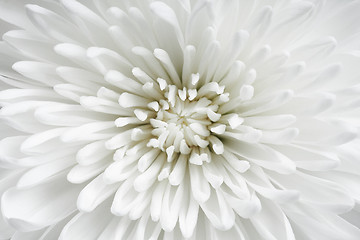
{"x":82,"y":173}
{"x":270,"y":122}
{"x":10,"y":151}
{"x":218,"y":211}
{"x":323,"y":194}
{"x":94,"y":194}
{"x":279,"y":137}
{"x":74,"y":229}
{"x":146,"y":179}
{"x":125,"y":196}
{"x":53,"y":25}
{"x":92,"y":153}
{"x":36,"y":207}
{"x":271,"y":223}
{"x":55,"y":230}
{"x":243,"y":207}
{"x":9,"y":179}
{"x":156,"y":201}
{"x":120,"y":170}
{"x":308,"y":158}
{"x":264,"y":156}
{"x":258,"y":180}
{"x":42,"y":142}
{"x":177,"y":174}
{"x":199,"y":186}
{"x":313,"y":224}
{"x":168,"y":15}
{"x":41,"y":73}
{"x":188,"y":217}
{"x":35,"y":235}
{"x":171,"y":205}
{"x":32,"y":45}
{"x":44,"y":172}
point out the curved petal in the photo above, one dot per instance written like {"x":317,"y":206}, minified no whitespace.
{"x":94,"y":194}
{"x":53,"y":232}
{"x":312,"y":224}
{"x":77,"y":227}
{"x":35,"y":235}
{"x":39,"y":206}
{"x":322,"y":193}
{"x":271,"y":222}
{"x":264,"y":156}
{"x":218,"y":211}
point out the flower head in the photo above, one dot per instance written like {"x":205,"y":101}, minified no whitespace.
{"x":186,"y":119}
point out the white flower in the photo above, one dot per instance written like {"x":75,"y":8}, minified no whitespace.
{"x":187,"y":119}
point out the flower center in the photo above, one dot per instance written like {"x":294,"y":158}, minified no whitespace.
{"x":186,"y":120}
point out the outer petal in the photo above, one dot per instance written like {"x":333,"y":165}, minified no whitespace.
{"x":39,"y":206}
{"x":218,"y":211}
{"x":78,"y":226}
{"x":272,"y":223}
{"x":319,"y":192}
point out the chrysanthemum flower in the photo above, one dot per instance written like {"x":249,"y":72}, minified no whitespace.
{"x":180,"y":119}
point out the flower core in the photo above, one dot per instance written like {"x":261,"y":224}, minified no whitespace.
{"x":183,"y":119}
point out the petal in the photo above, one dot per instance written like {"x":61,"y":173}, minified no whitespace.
{"x":171,"y":205}
{"x":39,"y":206}
{"x":78,"y":227}
{"x":309,"y":158}
{"x":53,"y":232}
{"x":39,"y":72}
{"x":318,"y":192}
{"x":53,"y":25}
{"x":10,"y":13}
{"x":125,"y":197}
{"x":120,"y":170}
{"x":199,"y":186}
{"x":352,"y":217}
{"x":167,"y":14}
{"x":81,"y":173}
{"x":326,"y":133}
{"x":312,"y":224}
{"x":109,"y":230}
{"x":236,"y":232}
{"x":264,"y":156}
{"x":178,"y":173}
{"x":156,"y":201}
{"x":271,"y":223}
{"x":34,"y":235}
{"x":8,"y":180}
{"x":309,"y":105}
{"x":88,"y":21}
{"x":146,"y":229}
{"x":10,"y":151}
{"x":270,"y":122}
{"x":94,"y":194}
{"x":259,"y":181}
{"x":188,"y":216}
{"x":32,"y":45}
{"x":146,"y":179}
{"x":279,"y":137}
{"x":348,"y":181}
{"x":212,"y":175}
{"x":92,"y":153}
{"x":64,"y":114}
{"x":42,"y":142}
{"x":245,"y":207}
{"x":267,"y":103}
{"x":44,"y":172}
{"x":218,"y":211}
